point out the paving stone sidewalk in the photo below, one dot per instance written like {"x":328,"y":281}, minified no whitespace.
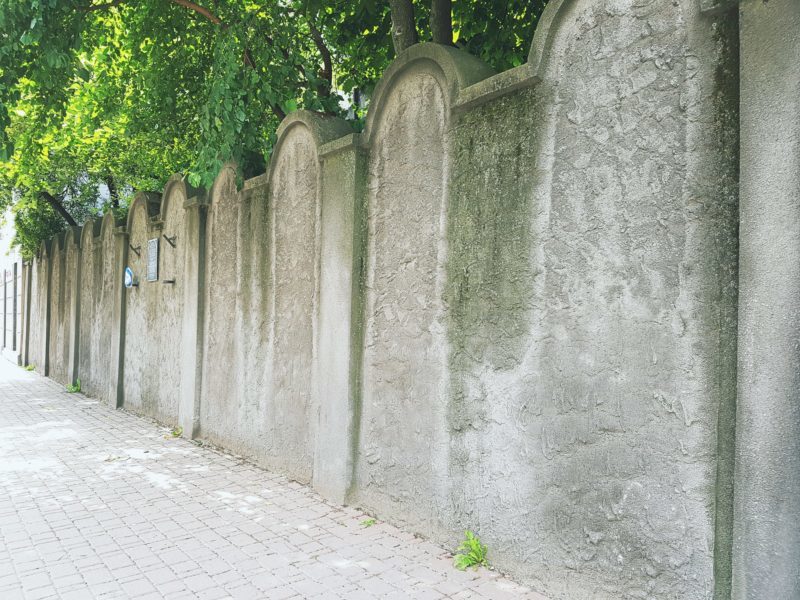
{"x":98,"y":503}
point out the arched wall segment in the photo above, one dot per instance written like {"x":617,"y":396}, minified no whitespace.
{"x":63,"y":295}
{"x":456,"y":70}
{"x":39,"y":316}
{"x":153,"y":309}
{"x":552,"y":21}
{"x":56,"y":344}
{"x":99,"y":280}
{"x":88,"y":356}
{"x":401,"y":465}
{"x":294,"y":195}
{"x":590,"y":387}
{"x":233,"y":388}
{"x":260,"y":307}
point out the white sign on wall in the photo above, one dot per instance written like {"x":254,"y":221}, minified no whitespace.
{"x":152,"y":259}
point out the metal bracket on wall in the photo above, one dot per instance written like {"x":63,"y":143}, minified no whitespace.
{"x":171,"y":240}
{"x":137,"y":250}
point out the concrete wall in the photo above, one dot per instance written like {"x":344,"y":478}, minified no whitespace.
{"x":401,"y":468}
{"x":236,"y":383}
{"x":593,"y":325}
{"x":767,"y":511}
{"x":154,"y":309}
{"x":64,"y":291}
{"x":260,"y":304}
{"x":99,"y":274}
{"x":509,"y":305}
{"x":38,"y":316}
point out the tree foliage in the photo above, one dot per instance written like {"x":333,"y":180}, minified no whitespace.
{"x":99,"y":98}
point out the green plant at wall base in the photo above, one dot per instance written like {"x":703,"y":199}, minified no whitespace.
{"x":76,"y":387}
{"x":471,"y":553}
{"x":29,"y":367}
{"x":177,"y":431}
{"x":368,"y":522}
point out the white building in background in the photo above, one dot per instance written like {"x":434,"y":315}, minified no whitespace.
{"x":10,"y":291}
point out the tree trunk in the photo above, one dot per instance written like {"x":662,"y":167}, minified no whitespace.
{"x":442,"y":21}
{"x":58,"y":207}
{"x":404,"y":28}
{"x":113,"y":192}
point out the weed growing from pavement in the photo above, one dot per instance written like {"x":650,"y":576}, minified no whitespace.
{"x":471,"y":553}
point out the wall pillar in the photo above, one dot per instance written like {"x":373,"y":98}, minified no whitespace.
{"x":5,"y":308}
{"x":193,"y":314}
{"x":74,"y":310}
{"x":766,"y":554}
{"x":116,"y":379}
{"x":15,"y":324}
{"x":25,"y":344}
{"x":338,"y":360}
{"x":47,"y":311}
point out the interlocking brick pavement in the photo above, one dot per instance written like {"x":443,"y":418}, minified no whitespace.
{"x":98,"y":503}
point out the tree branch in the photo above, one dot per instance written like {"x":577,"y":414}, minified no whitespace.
{"x":200,"y":10}
{"x":58,"y":207}
{"x":327,"y":69}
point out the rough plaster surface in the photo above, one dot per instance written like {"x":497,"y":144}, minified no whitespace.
{"x":99,"y":272}
{"x":234,"y":390}
{"x":89,"y":355}
{"x":591,"y":278}
{"x":294,"y":202}
{"x":260,"y":311}
{"x":767,"y":525}
{"x":60,"y":292}
{"x":38,"y":318}
{"x":596,"y":358}
{"x":338,"y":360}
{"x":516,"y":316}
{"x":154,"y":309}
{"x":403,"y":440}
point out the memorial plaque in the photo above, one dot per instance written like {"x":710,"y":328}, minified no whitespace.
{"x":152,"y":260}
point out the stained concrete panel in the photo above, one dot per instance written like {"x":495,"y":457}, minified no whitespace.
{"x":39,"y":310}
{"x":294,"y":203}
{"x":515,"y":315}
{"x":338,"y":356}
{"x":767,"y":492}
{"x":99,"y":273}
{"x":592,"y":346}
{"x":153,"y":322}
{"x":401,"y":464}
{"x":60,"y":293}
{"x":237,"y":316}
